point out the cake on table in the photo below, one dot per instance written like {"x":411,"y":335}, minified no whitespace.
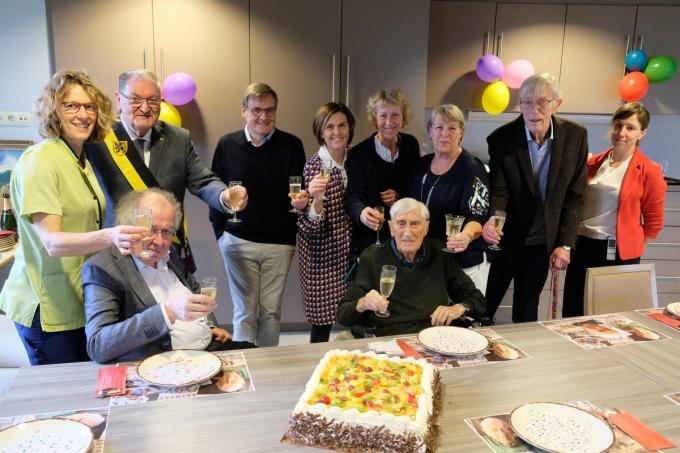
{"x":356,"y":401}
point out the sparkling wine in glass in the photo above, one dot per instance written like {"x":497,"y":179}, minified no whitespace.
{"x":499,"y":221}
{"x":388,"y":277}
{"x":208,"y":288}
{"x":454,"y":224}
{"x":326,"y":169}
{"x":144,"y":218}
{"x":381,"y":210}
{"x":235,"y":197}
{"x":295,"y":186}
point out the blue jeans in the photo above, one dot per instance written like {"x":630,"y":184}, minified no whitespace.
{"x":46,"y":348}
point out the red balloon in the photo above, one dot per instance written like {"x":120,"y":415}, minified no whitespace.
{"x":634,"y":86}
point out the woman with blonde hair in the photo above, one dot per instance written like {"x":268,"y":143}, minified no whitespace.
{"x":60,"y":208}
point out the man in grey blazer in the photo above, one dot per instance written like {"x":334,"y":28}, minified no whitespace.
{"x":162,"y":155}
{"x":538,"y":176}
{"x":145,"y":303}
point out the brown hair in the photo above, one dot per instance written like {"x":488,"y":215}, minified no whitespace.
{"x":259,"y":90}
{"x":632,"y":108}
{"x":47,"y":105}
{"x":324,"y":114}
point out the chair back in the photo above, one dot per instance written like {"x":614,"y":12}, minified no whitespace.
{"x":12,"y":352}
{"x":620,"y":288}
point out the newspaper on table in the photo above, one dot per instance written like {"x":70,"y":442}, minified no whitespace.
{"x":500,"y":350}
{"x":234,"y":377}
{"x":602,"y":331}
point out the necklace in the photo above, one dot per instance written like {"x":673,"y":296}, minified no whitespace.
{"x":429,"y":193}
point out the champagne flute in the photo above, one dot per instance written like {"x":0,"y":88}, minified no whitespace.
{"x":295,"y":186}
{"x":235,"y":197}
{"x":208,"y":288}
{"x":143,"y":217}
{"x":388,"y":277}
{"x":381,"y":210}
{"x":326,"y":169}
{"x":499,"y":221}
{"x":454,"y":223}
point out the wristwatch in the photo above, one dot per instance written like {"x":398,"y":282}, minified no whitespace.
{"x":567,"y":248}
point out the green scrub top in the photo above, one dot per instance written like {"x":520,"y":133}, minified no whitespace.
{"x":48,"y":178}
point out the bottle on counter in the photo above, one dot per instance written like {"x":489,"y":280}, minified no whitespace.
{"x":7,"y":221}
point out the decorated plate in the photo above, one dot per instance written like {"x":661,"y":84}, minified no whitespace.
{"x":179,"y":368}
{"x":48,"y":435}
{"x":453,"y":340}
{"x":674,"y":309}
{"x":559,"y":428}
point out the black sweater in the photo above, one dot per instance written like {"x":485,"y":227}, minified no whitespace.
{"x":418,"y":290}
{"x":264,"y":172}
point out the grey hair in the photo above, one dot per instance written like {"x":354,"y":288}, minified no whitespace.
{"x":132,"y":200}
{"x":143,"y":74}
{"x":409,"y":204}
{"x":537,"y":81}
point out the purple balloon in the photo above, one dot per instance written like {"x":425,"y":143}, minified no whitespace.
{"x":178,"y":88}
{"x":489,"y":68}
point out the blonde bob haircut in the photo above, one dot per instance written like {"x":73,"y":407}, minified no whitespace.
{"x":449,"y":113}
{"x":47,"y":106}
{"x":388,"y":96}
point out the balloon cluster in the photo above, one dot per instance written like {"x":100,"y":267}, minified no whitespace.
{"x":643,"y":71}
{"x":496,"y":95}
{"x":178,"y":89}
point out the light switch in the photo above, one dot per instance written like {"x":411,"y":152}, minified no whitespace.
{"x":15,"y":118}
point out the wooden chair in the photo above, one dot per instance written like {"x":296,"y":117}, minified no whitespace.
{"x":620,"y":288}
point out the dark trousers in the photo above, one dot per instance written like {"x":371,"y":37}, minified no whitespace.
{"x":46,"y":348}
{"x":587,"y":253}
{"x":320,"y":333}
{"x":215,"y":345}
{"x":528,"y":267}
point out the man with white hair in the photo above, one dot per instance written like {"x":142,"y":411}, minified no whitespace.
{"x":430,"y":287}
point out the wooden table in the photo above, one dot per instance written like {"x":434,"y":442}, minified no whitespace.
{"x":633,"y":377}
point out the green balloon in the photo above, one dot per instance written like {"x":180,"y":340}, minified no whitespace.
{"x":661,"y":69}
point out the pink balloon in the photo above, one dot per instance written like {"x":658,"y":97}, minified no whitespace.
{"x":516,"y":72}
{"x":178,"y":88}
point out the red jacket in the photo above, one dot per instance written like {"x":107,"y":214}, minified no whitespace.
{"x":641,"y":200}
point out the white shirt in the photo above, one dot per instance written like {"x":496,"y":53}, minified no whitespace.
{"x":601,"y":201}
{"x":325,"y":157}
{"x":147,"y":141}
{"x":384,"y":152}
{"x":164,"y":285}
{"x":264,"y":140}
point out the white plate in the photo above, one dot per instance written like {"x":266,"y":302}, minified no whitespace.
{"x":48,"y":435}
{"x":559,"y":428}
{"x":179,"y":368}
{"x":453,"y":340}
{"x":674,"y":309}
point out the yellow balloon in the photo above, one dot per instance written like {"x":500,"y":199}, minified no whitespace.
{"x":170,"y":115}
{"x":495,"y":98}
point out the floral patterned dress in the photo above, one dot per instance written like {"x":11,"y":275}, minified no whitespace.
{"x":323,"y":247}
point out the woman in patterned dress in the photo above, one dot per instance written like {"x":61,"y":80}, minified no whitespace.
{"x":325,"y":229}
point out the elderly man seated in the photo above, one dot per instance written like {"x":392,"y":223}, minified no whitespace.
{"x":430,"y":289}
{"x":145,"y":303}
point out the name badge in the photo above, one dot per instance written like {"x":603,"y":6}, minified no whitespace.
{"x":611,"y":249}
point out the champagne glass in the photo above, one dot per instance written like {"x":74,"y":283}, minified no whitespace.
{"x":388,"y":276}
{"x":381,"y":210}
{"x":295,"y":186}
{"x":144,"y":218}
{"x":326,"y":169}
{"x":235,"y":197}
{"x":208,"y":288}
{"x":499,"y":221}
{"x":454,"y":223}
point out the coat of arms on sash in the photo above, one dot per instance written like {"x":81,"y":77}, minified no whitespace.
{"x":120,"y":147}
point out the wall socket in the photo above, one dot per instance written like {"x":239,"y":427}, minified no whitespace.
{"x":15,"y":118}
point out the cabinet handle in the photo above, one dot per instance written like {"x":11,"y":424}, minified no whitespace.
{"x":487,"y":36}
{"x":333,"y":78}
{"x":144,"y":58}
{"x":640,"y":40}
{"x":499,"y":45}
{"x":624,"y":56}
{"x":347,"y":82}
{"x":162,"y":66}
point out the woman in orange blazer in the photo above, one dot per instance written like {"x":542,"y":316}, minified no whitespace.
{"x":623,"y":203}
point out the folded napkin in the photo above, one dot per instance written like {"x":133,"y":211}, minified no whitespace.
{"x":642,"y":433}
{"x":111,"y":381}
{"x":668,"y":320}
{"x":408,"y":350}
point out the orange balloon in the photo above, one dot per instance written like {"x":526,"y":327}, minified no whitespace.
{"x":634,"y":86}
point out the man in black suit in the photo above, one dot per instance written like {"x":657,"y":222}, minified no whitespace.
{"x":538,"y":176}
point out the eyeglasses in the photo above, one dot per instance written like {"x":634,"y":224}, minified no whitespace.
{"x":74,"y":107}
{"x":257,"y":111}
{"x":541,"y":104}
{"x":167,"y":233}
{"x":136,"y":101}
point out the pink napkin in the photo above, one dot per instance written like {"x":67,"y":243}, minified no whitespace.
{"x":642,"y":433}
{"x":111,"y":381}
{"x":408,"y":350}
{"x":668,"y":320}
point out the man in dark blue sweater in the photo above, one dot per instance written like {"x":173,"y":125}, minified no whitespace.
{"x":258,"y":249}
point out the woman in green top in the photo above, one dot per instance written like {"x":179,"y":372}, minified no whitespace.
{"x":59,"y":207}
